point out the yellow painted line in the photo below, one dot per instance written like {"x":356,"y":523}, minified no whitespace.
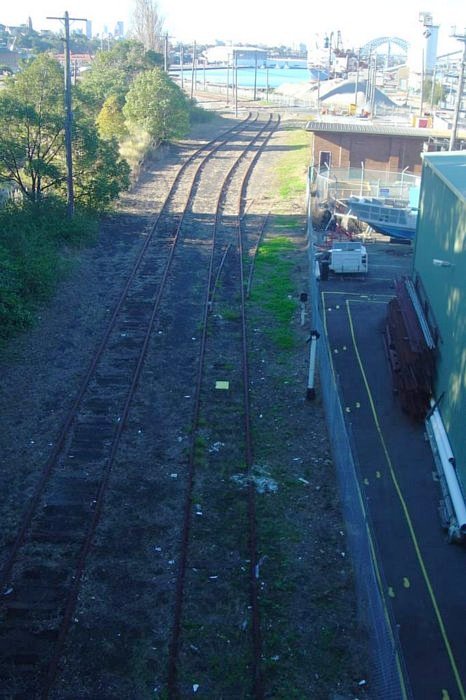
{"x":445,"y":694}
{"x":371,"y":301}
{"x":358,"y":405}
{"x":406,"y":514}
{"x":357,"y":294}
{"x":391,"y":592}
{"x":375,"y":562}
{"x":378,"y":474}
{"x":366,"y":481}
{"x":406,"y":582}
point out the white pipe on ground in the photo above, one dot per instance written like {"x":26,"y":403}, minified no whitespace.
{"x":447,"y":461}
{"x":311,"y":392}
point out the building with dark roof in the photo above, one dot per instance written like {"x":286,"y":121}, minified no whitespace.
{"x":374,"y":145}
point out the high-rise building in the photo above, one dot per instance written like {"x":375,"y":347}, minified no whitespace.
{"x":119,"y":30}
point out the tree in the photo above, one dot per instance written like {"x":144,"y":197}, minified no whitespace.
{"x":32,"y":148}
{"x":100,"y":174}
{"x":148,"y":25}
{"x":155,"y":103}
{"x":32,"y":134}
{"x":112,"y":72}
{"x":111,"y":121}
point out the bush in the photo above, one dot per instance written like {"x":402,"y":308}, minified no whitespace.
{"x":32,"y":239}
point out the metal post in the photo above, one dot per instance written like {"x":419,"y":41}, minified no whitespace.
{"x":356,"y":85}
{"x":192,"y":70}
{"x":318,"y":89}
{"x":181,"y":66}
{"x":255,"y":75}
{"x":421,"y":106}
{"x":432,"y":92}
{"x":311,"y":391}
{"x":235,"y":62}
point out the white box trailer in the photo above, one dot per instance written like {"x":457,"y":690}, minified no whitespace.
{"x":348,"y":256}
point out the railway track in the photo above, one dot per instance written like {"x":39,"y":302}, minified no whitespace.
{"x":166,"y":324}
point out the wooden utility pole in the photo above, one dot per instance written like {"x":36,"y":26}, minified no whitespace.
{"x":165,"y":53}
{"x":68,"y":111}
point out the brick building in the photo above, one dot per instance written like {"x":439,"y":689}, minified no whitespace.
{"x":375,"y":146}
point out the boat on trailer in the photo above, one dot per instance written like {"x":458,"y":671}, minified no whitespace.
{"x":394,"y":218}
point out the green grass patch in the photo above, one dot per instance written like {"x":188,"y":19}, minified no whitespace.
{"x":273,"y":288}
{"x":292,"y":168}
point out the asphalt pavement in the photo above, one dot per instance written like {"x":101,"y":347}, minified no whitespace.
{"x":425,"y":576}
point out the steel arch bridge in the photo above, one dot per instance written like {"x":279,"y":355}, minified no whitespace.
{"x":380,"y":41}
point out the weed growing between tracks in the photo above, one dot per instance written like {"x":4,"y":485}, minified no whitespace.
{"x":311,"y":642}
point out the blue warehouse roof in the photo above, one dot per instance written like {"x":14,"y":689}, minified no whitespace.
{"x":451,"y":168}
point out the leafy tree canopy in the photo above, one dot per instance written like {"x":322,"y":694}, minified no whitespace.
{"x":155,"y":103}
{"x":113,"y":71}
{"x":32,"y":150}
{"x":99,"y":172}
{"x":32,"y":135}
{"x":111,"y":121}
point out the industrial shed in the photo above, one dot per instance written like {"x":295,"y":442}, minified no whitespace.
{"x":439,"y":272}
{"x":377,"y":146}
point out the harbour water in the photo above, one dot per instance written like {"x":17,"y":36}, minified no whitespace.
{"x":265,"y":77}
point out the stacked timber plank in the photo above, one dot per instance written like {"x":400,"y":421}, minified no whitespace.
{"x":410,"y":351}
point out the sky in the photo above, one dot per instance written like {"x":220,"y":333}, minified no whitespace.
{"x":290,"y":23}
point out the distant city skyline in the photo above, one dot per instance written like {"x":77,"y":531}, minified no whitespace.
{"x":292,"y":23}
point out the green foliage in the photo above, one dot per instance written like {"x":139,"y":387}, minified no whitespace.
{"x":32,"y":149}
{"x":273,"y":288}
{"x":110,"y":120}
{"x":100,"y":174}
{"x":113,"y":71}
{"x":31,"y":238}
{"x":292,"y":170}
{"x":32,"y":135}
{"x":438,"y":93}
{"x":156,"y":104}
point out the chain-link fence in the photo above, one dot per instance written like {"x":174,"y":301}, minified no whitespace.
{"x":388,"y":681}
{"x":336,"y":184}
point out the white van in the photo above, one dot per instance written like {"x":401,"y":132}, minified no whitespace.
{"x":348,"y":256}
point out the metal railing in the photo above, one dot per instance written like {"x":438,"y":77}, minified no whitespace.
{"x":340,"y":183}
